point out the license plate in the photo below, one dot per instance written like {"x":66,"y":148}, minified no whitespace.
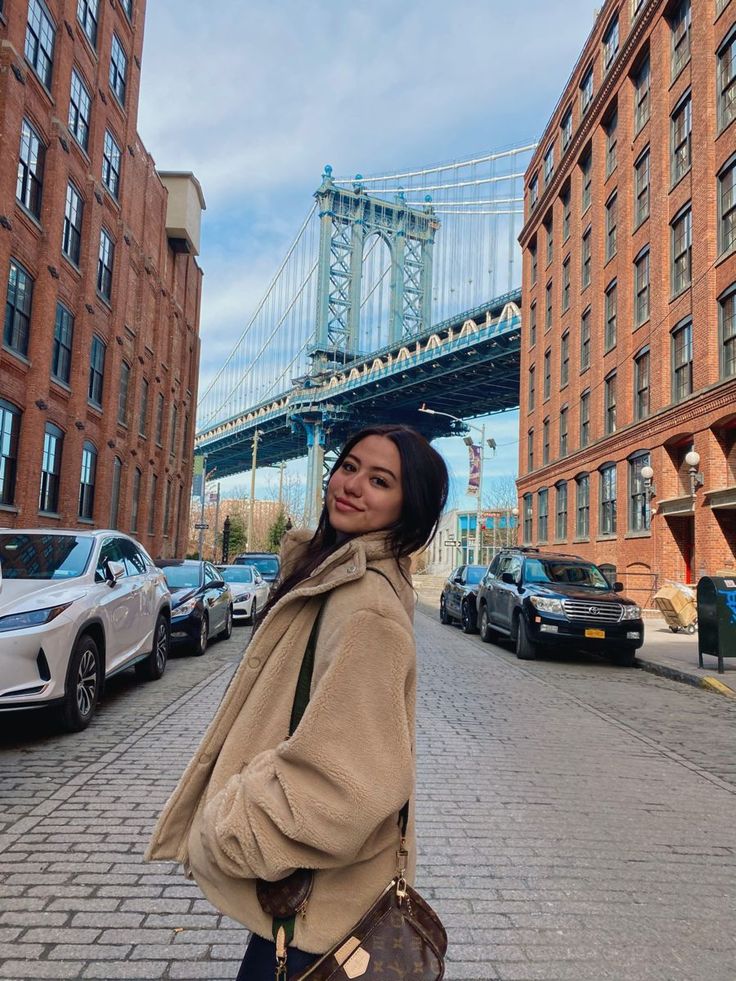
{"x":595,"y":633}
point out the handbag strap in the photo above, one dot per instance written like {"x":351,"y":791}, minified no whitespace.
{"x":304,"y":681}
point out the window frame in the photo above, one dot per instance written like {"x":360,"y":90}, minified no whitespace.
{"x":582,"y":506}
{"x":639,"y":512}
{"x":585,"y":339}
{"x":585,"y":419}
{"x":71,"y":235}
{"x":96,"y":379}
{"x":566,"y":283}
{"x":611,"y":131}
{"x":542,"y":514}
{"x":642,"y":187}
{"x":610,"y":42}
{"x":610,"y":401}
{"x":561,"y":511}
{"x":681,"y":276}
{"x":641,"y":77}
{"x":63,"y":345}
{"x":681,"y":140}
{"x":126,"y":373}
{"x":48,"y":495}
{"x":726,"y":84}
{"x":607,"y":510}
{"x":17,"y":319}
{"x":528,"y":517}
{"x":586,"y":92}
{"x":566,"y":128}
{"x":111,"y":173}
{"x":586,"y":258}
{"x":727,"y":215}
{"x":727,"y":344}
{"x":118,"y":73}
{"x":642,"y":290}
{"x":80,"y":109}
{"x":87,"y":481}
{"x":682,"y":368}
{"x":610,"y":333}
{"x":546,"y":430}
{"x":563,"y":434}
{"x":565,"y":358}
{"x":10,"y":422}
{"x":88,"y":19}
{"x":41,"y":57}
{"x":642,"y":383}
{"x":105,"y":265}
{"x":611,"y":224}
{"x":682,"y":41}
{"x":31,"y":165}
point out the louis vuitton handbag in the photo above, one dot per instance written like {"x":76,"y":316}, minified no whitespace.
{"x":400,"y":936}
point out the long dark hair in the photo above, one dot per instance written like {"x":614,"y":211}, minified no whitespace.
{"x":424,"y":486}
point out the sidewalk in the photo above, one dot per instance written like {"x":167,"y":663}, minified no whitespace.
{"x":671,"y":655}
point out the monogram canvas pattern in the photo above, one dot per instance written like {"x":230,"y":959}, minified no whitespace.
{"x":285,"y":897}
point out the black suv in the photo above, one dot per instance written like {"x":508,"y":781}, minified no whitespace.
{"x":547,"y":599}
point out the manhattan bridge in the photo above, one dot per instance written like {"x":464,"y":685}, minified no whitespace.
{"x":399,"y":289}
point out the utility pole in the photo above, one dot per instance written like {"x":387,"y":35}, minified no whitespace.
{"x":256,"y":437}
{"x":217,"y":524}
{"x":200,"y":548}
{"x":281,"y":485}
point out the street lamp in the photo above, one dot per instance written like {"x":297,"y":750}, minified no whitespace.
{"x":256,"y":436}
{"x":692,"y":459}
{"x":468,"y":440}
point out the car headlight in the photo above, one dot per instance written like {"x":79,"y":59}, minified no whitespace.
{"x":631,"y":613}
{"x":241,"y":597}
{"x":33,"y":618}
{"x":185,"y":609}
{"x":546,"y":604}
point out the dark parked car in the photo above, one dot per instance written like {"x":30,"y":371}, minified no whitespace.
{"x":267,"y":563}
{"x":546,"y":599}
{"x":201,"y":603}
{"x":458,"y":599}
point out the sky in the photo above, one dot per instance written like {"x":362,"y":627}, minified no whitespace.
{"x":255,"y":98}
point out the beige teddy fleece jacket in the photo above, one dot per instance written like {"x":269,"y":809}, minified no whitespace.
{"x":254,"y":804}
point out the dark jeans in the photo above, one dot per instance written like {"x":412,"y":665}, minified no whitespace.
{"x":259,"y":963}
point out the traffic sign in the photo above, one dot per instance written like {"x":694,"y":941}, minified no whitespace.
{"x":201,"y":526}
{"x":452,"y":543}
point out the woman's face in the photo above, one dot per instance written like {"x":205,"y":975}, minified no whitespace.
{"x":365,"y":493}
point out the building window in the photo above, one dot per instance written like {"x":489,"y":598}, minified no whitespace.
{"x":143,"y":412}
{"x":682,"y":361}
{"x":543,"y":507}
{"x":547,"y":373}
{"x":549,"y":231}
{"x":39,"y":48}
{"x":608,"y":500}
{"x":9,"y":432}
{"x":61,"y":358}
{"x":727,"y":314}
{"x":87,"y":482}
{"x":585,"y":340}
{"x":641,"y":187}
{"x":641,"y":384}
{"x":111,"y":164}
{"x":152,"y":505}
{"x":727,"y":80}
{"x":135,"y":500}
{"x":727,"y":207}
{"x":533,"y":257}
{"x":528,"y":517}
{"x":548,"y":166}
{"x":117,"y":474}
{"x":561,"y":512}
{"x":96,"y":371}
{"x":533,"y":324}
{"x":641,"y":281}
{"x":564,"y":359}
{"x":582,"y":506}
{"x":610,"y":43}
{"x":545,"y":442}
{"x":532,"y":388}
{"x":18,"y":303}
{"x":174,"y":424}
{"x":87,"y":17}
{"x":586,"y":91}
{"x":611,"y":142}
{"x":566,"y":284}
{"x":548,"y":307}
{"x":566,"y":129}
{"x":721,"y":6}
{"x":80,"y":108}
{"x":105,"y":262}
{"x":636,"y":6}
{"x":680,"y":20}
{"x":167,"y":508}
{"x":159,"y":418}
{"x":586,"y":171}
{"x":29,"y":185}
{"x":639,"y":516}
{"x":565,"y":198}
{"x":53,"y":442}
{"x":533,"y":191}
{"x":71,"y":239}
{"x":611,"y":316}
{"x":609,"y":402}
{"x":682,"y":248}
{"x":530,"y":451}
{"x":563,"y":431}
{"x":642,"y":80}
{"x":118,"y":70}
{"x":127,"y":6}
{"x":584,"y":419}
{"x":681,"y":127}
{"x":611,"y":223}
{"x":123,"y":393}
{"x":586,"y":258}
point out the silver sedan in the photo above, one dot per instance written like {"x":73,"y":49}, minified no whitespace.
{"x":248,"y":588}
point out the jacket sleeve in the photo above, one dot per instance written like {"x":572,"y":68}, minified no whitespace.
{"x":314,"y":800}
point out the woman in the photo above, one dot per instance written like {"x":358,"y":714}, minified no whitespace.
{"x":253,"y":804}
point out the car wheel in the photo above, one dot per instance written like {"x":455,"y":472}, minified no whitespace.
{"x":153,"y":667}
{"x":625,"y":658}
{"x":486,"y":632}
{"x":253,"y":612}
{"x":691,"y":628}
{"x":674,"y":629}
{"x":82,"y":687}
{"x":204,"y":633}
{"x":444,"y":616}
{"x":526,"y":649}
{"x":467,"y":621}
{"x":227,"y":630}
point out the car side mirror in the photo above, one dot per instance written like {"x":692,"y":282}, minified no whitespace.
{"x":217,"y":583}
{"x":113,"y":572}
{"x":458,"y":579}
{"x":618,"y":587}
{"x":508,"y":578}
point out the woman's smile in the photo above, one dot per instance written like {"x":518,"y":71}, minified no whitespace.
{"x":365,"y":493}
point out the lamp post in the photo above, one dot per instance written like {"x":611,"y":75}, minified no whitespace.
{"x":468,"y":440}
{"x":256,"y":436}
{"x":692,"y":459}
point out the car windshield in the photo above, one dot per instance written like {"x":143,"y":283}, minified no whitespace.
{"x":237,"y":573}
{"x":566,"y":573}
{"x":44,"y":556}
{"x":182,"y":576}
{"x":474,"y":574}
{"x":266,"y":565}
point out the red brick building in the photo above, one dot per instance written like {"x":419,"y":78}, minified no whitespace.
{"x":629,"y":308}
{"x":100,"y":347}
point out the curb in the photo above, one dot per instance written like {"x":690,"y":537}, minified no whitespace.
{"x":695,"y":680}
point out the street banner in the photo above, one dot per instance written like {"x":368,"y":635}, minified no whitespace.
{"x":474,"y":470}
{"x":198,"y":476}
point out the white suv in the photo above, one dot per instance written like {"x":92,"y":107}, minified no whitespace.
{"x":75,"y":608}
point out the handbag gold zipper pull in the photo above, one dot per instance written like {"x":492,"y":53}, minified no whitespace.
{"x":302,"y":910}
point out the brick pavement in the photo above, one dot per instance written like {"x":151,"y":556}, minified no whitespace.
{"x":576,"y":821}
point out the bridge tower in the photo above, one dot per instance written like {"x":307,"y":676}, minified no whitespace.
{"x":348,"y":219}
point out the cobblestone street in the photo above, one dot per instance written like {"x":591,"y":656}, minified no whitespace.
{"x":576,"y":820}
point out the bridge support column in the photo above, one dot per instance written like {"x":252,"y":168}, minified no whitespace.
{"x":315,"y":466}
